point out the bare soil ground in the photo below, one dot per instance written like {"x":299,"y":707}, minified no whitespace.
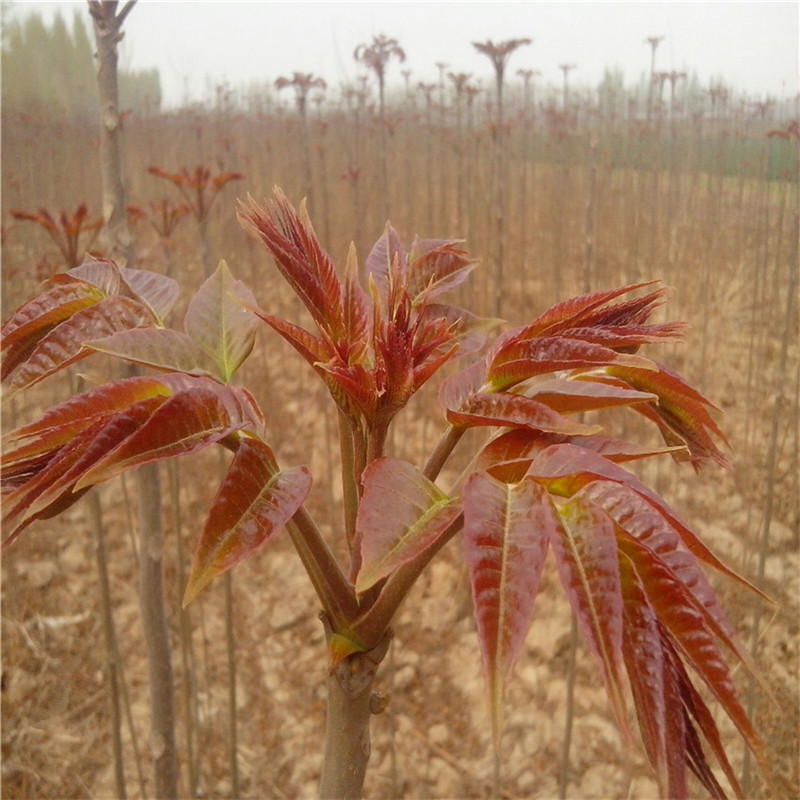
{"x":434,"y":739}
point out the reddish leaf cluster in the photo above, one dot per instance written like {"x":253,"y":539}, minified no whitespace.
{"x":92,"y":301}
{"x":197,"y":186}
{"x":66,"y":230}
{"x":163,"y":216}
{"x":373,"y":351}
{"x":628,"y":565}
{"x":545,"y":482}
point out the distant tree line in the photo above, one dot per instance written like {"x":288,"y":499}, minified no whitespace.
{"x":49,"y":72}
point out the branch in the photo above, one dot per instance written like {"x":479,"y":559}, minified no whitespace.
{"x":376,"y":620}
{"x":336,"y":594}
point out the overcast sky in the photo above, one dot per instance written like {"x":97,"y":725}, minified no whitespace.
{"x":752,"y":46}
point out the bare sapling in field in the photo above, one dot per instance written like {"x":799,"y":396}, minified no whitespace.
{"x":303,"y":83}
{"x":199,"y":190}
{"x":499,"y":54}
{"x":376,"y":57}
{"x":73,"y":234}
{"x":547,"y":478}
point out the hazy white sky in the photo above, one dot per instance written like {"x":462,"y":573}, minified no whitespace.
{"x":752,"y":46}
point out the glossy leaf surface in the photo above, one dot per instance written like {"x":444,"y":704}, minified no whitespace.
{"x":64,"y":344}
{"x":506,"y":533}
{"x":585,"y":549}
{"x":184,"y":423}
{"x":253,"y":503}
{"x":515,"y":410}
{"x":401,"y":514}
{"x":521,"y":359}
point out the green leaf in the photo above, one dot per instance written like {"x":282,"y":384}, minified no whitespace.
{"x":585,"y":549}
{"x":401,"y":514}
{"x":506,"y":533}
{"x":63,"y":345}
{"x":218,"y":321}
{"x":253,"y":503}
{"x":159,"y":348}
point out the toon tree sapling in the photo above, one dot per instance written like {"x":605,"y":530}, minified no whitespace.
{"x":548,"y":478}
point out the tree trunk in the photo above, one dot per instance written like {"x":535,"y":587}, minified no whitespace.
{"x":107,"y":29}
{"x":154,"y":620}
{"x":351,"y":703}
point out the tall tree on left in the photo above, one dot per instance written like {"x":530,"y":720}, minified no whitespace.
{"x":108,"y":19}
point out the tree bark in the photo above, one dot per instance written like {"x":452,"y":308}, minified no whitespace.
{"x":154,"y":619}
{"x":107,"y":29}
{"x":351,"y":703}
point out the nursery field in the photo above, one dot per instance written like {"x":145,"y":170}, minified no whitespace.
{"x":552,"y":206}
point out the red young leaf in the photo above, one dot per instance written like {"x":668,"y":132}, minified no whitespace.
{"x":310,"y":347}
{"x":435,"y":267}
{"x":632,"y":513}
{"x":218,"y":320}
{"x":515,"y":410}
{"x":253,"y":503}
{"x":457,"y":388}
{"x":677,"y":609}
{"x":565,"y":468}
{"x":696,"y":708}
{"x":401,"y":514}
{"x":157,"y":292}
{"x":630,"y":313}
{"x":471,"y":331}
{"x":628,"y":338}
{"x":64,"y":344}
{"x":55,"y":483}
{"x":357,"y":315}
{"x":650,"y":678}
{"x":506,"y":533}
{"x":380,"y":261}
{"x":28,"y":324}
{"x":682,"y":413}
{"x":576,"y":311}
{"x":509,"y":455}
{"x":186,"y":422}
{"x":101,"y":272}
{"x":300,"y":258}
{"x":521,"y":359}
{"x":571,"y":396}
{"x":585,"y":549}
{"x":60,"y":423}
